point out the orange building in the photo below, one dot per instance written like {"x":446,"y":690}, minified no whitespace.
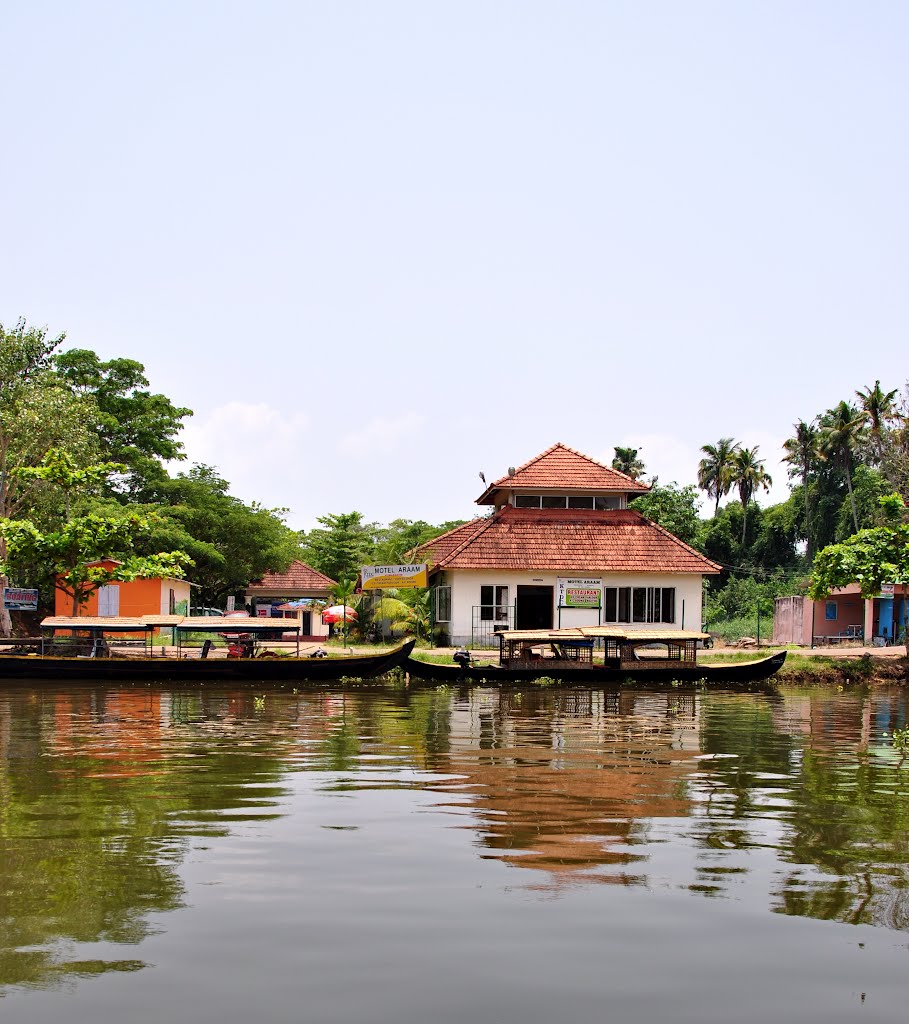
{"x":154,"y":596}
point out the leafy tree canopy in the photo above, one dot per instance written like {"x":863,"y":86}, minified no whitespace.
{"x":674,"y":508}
{"x":341,"y":545}
{"x":69,"y":552}
{"x":232,"y":543}
{"x":134,"y":425}
{"x":870,"y":557}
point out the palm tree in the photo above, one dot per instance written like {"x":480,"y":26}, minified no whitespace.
{"x":802,"y":454}
{"x":748,"y":475}
{"x":841,"y":430}
{"x":626,"y":461}
{"x":715,"y":469}
{"x":877,"y":409}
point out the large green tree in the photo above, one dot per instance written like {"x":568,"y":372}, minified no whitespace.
{"x":715,"y":469}
{"x":748,"y":475}
{"x":878,"y":408}
{"x":674,"y":508}
{"x":626,"y":461}
{"x":340,"y":545}
{"x":134,"y":425}
{"x":802,"y":453}
{"x":232,"y":543}
{"x":869,"y":557}
{"x":841,"y":432}
{"x":37,"y":413}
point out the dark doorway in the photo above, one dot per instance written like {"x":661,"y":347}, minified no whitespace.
{"x":533,"y":608}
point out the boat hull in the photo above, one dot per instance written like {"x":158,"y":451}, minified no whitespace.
{"x":252,"y":671}
{"x":734,"y":673}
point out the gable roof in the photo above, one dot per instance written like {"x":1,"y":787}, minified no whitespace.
{"x":585,"y":541}
{"x":298,"y":576}
{"x":562,"y":468}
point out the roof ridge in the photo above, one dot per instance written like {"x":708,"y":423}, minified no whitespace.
{"x":677,"y":540}
{"x":530,"y":462}
{"x":435,"y":540}
{"x":469,"y":540}
{"x":560,"y":445}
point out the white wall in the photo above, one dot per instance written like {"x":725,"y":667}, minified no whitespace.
{"x":465,"y":594}
{"x":181,"y":591}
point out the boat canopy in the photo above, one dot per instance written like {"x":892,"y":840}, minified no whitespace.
{"x":648,"y":636}
{"x":181,"y":623}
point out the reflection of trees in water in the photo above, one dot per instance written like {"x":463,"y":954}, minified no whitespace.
{"x":90,"y":786}
{"x":850,"y":820}
{"x":838,"y":815}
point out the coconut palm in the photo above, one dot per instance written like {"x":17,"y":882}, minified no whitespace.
{"x":877,"y":409}
{"x":803,"y":453}
{"x":715,"y":469}
{"x":841,"y":431}
{"x":748,"y":474}
{"x":626,"y":461}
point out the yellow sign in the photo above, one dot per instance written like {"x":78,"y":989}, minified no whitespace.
{"x":401,"y":577}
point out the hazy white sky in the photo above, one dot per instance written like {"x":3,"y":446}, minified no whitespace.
{"x":381,"y":246}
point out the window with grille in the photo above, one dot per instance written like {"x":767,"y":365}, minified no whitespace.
{"x":443,"y":604}
{"x":639,"y":604}
{"x":494,"y":604}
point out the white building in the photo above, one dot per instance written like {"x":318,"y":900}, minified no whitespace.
{"x":560,"y":549}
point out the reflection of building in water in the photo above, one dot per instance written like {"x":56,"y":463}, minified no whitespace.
{"x":571,"y":789}
{"x":121,"y":725}
{"x":832,"y":720}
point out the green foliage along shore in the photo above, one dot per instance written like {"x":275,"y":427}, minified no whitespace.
{"x":848,"y":468}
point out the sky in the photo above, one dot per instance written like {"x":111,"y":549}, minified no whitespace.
{"x":381,"y":247}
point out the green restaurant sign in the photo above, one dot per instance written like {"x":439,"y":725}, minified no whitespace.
{"x":580,"y":593}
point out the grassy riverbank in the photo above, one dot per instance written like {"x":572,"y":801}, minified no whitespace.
{"x":814,"y":668}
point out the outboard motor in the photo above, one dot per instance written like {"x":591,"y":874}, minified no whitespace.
{"x":462,"y":657}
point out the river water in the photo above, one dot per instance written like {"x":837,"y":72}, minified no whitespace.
{"x":442,"y":855}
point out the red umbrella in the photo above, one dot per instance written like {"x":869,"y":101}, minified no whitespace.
{"x":339,"y":613}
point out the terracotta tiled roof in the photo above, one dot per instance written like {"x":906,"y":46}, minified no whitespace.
{"x":575,"y":541}
{"x":298,"y":576}
{"x":436,"y":549}
{"x":562,"y":468}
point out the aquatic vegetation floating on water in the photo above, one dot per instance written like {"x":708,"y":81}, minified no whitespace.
{"x":899,"y":738}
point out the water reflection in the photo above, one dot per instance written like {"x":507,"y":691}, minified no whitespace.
{"x":794,"y":802}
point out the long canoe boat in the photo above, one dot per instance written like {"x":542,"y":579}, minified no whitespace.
{"x":97,"y":659}
{"x":567,"y":655}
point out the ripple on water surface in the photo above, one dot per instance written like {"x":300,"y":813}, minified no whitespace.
{"x":443,"y":855}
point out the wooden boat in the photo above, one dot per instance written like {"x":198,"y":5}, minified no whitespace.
{"x":567,"y":655}
{"x":89,"y":655}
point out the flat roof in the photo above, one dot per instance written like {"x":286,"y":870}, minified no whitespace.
{"x":545,"y":636}
{"x":184,"y":623}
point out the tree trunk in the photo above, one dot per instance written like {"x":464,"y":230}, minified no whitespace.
{"x":807,"y":517}
{"x":852,"y":499}
{"x":6,"y":622}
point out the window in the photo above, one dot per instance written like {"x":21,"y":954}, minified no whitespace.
{"x":109,"y":600}
{"x":616,"y":604}
{"x":442,"y":604}
{"x":639,"y":604}
{"x":830,"y":611}
{"x":494,"y":604}
{"x":600,"y":502}
{"x":613,"y":501}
